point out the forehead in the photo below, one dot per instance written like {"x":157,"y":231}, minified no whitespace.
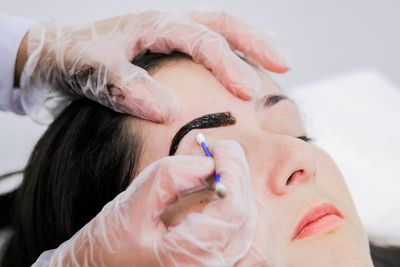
{"x":198,"y":93}
{"x":198,"y":90}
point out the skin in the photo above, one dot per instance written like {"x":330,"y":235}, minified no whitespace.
{"x":22,"y":57}
{"x":268,"y":138}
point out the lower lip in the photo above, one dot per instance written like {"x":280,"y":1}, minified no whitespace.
{"x":324,"y":224}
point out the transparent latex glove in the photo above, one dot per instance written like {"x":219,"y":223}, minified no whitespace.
{"x":130,"y":231}
{"x":93,"y":60}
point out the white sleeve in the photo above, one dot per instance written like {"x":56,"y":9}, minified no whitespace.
{"x":12,"y":30}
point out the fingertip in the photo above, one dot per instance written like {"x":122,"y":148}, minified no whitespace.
{"x":277,"y":68}
{"x":147,"y":109}
{"x":239,"y":77}
{"x":271,"y":54}
{"x":165,"y":102}
{"x":146,"y":98}
{"x":247,"y":87}
{"x":283,"y":69}
{"x":262,"y":47}
{"x":273,"y":62}
{"x":246,"y":92}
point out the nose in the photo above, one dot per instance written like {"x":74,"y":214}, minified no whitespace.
{"x":283,"y":162}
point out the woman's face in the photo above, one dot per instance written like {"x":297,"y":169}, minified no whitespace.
{"x":289,"y":176}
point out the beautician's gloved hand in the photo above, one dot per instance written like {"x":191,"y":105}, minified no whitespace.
{"x":130,"y":231}
{"x":93,"y":60}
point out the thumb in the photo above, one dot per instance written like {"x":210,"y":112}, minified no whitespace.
{"x":132,"y":90}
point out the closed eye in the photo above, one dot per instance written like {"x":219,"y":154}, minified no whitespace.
{"x":305,"y":138}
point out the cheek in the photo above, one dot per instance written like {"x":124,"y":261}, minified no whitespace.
{"x":331,"y":183}
{"x":329,"y":177}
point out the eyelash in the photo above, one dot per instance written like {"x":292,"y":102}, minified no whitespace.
{"x":305,"y":138}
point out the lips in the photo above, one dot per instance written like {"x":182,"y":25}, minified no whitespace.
{"x":323,"y":218}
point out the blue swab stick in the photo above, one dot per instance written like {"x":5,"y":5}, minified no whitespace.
{"x":219,"y":187}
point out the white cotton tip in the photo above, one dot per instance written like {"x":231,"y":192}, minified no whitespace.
{"x":200,"y":138}
{"x":220,"y":189}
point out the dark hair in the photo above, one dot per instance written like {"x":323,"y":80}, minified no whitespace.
{"x":86,"y":157}
{"x":385,"y":256}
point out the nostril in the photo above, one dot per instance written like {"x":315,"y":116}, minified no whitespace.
{"x":289,"y":180}
{"x":293,"y":176}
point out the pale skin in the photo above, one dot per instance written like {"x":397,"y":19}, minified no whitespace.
{"x":268,"y":136}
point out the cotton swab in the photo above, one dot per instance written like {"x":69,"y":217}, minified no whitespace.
{"x":219,"y":186}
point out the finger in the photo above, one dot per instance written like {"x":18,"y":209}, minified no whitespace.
{"x":230,"y":160}
{"x":141,"y":205}
{"x":132,"y":90}
{"x":222,"y":232}
{"x":231,"y":164}
{"x":209,"y":49}
{"x":198,"y":241}
{"x":263,"y":48}
{"x":170,"y":177}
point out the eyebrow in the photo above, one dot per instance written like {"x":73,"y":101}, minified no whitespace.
{"x":207,"y":121}
{"x":219,"y":120}
{"x":269,"y":100}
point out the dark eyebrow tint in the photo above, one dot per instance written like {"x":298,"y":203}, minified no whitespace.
{"x":207,"y":121}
